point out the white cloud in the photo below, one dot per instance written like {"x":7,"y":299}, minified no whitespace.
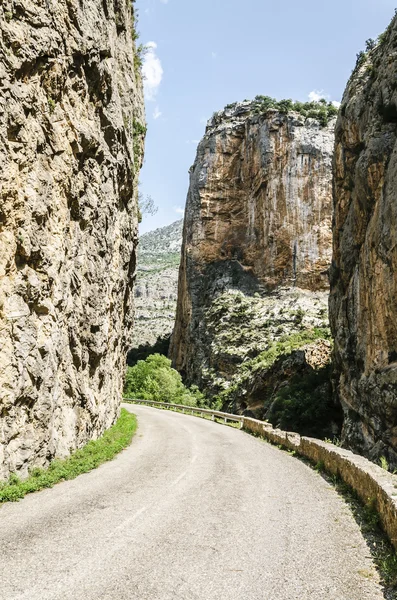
{"x":214,"y":54}
{"x":204,"y":120}
{"x":152,"y":72}
{"x":195,"y":142}
{"x":179,"y":210}
{"x":317,"y":95}
{"x":157,"y":113}
{"x":336,"y":103}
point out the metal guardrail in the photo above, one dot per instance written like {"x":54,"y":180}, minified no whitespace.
{"x":194,"y":410}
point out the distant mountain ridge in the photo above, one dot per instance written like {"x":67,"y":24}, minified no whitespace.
{"x":159,"y":256}
{"x":162,"y":240}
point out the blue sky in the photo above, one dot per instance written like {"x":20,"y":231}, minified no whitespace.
{"x":205,"y":54}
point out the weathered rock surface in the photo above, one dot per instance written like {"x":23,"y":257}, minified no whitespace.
{"x":156,"y":286}
{"x":236,"y":328}
{"x":294,"y":391}
{"x":363,"y":306}
{"x":258,"y":218}
{"x":70,"y":103}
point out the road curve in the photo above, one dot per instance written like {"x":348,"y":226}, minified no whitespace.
{"x":191,"y":511}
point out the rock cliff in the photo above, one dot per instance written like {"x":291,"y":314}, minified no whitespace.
{"x":258,"y":219}
{"x":363,"y":277}
{"x":71,"y":145}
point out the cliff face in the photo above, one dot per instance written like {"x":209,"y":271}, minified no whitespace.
{"x":258,"y":217}
{"x":71,"y":144}
{"x":363,"y":307}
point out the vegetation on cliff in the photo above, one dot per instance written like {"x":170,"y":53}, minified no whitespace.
{"x":322,"y":110}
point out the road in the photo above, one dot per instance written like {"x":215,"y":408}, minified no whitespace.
{"x":192,"y":510}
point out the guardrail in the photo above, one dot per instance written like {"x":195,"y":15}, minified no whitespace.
{"x":372,"y":484}
{"x":214,"y":414}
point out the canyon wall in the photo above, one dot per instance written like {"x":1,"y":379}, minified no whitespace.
{"x":258,"y":220}
{"x":363,"y":306}
{"x":71,"y":145}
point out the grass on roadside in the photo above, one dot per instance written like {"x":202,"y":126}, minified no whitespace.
{"x":87,"y":458}
{"x":383,"y":553}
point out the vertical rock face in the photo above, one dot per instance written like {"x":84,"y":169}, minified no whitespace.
{"x":363,"y":306}
{"x":70,"y":104}
{"x":258,"y":217}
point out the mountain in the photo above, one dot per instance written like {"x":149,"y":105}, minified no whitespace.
{"x":156,"y":290}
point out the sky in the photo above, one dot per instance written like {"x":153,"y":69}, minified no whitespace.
{"x":204,"y":54}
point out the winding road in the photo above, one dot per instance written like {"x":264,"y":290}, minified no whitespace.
{"x":192,"y":510}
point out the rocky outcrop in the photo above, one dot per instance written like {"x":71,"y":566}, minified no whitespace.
{"x":292,"y":392}
{"x":258,"y":218}
{"x":71,"y":144}
{"x":363,"y":307}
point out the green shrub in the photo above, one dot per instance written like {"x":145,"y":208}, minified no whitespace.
{"x":155,"y":379}
{"x":322,"y":110}
{"x":305,"y":404}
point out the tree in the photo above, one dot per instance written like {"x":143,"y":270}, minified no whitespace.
{"x":146,"y":206}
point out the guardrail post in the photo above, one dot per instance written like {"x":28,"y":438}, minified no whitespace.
{"x":212,"y":417}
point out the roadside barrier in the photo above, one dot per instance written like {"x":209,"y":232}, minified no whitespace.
{"x":372,"y":484}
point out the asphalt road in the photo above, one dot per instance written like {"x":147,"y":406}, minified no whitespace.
{"x":192,"y":510}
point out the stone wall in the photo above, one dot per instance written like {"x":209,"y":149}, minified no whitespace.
{"x":71,"y":145}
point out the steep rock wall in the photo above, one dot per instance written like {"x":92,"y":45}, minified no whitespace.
{"x":258,"y":216}
{"x":363,"y":307}
{"x":70,"y":104}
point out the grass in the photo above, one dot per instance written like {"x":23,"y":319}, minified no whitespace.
{"x":382,"y":552}
{"x":89,"y":457}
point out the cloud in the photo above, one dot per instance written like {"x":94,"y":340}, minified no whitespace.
{"x":157,"y":113}
{"x":195,"y":142}
{"x":179,"y":210}
{"x":317,"y":95}
{"x":152,"y":72}
{"x":164,"y":1}
{"x":214,"y":54}
{"x":204,"y":120}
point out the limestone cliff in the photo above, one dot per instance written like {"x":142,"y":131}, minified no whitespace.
{"x":363,"y":307}
{"x":71,"y":145}
{"x":258,"y":218}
